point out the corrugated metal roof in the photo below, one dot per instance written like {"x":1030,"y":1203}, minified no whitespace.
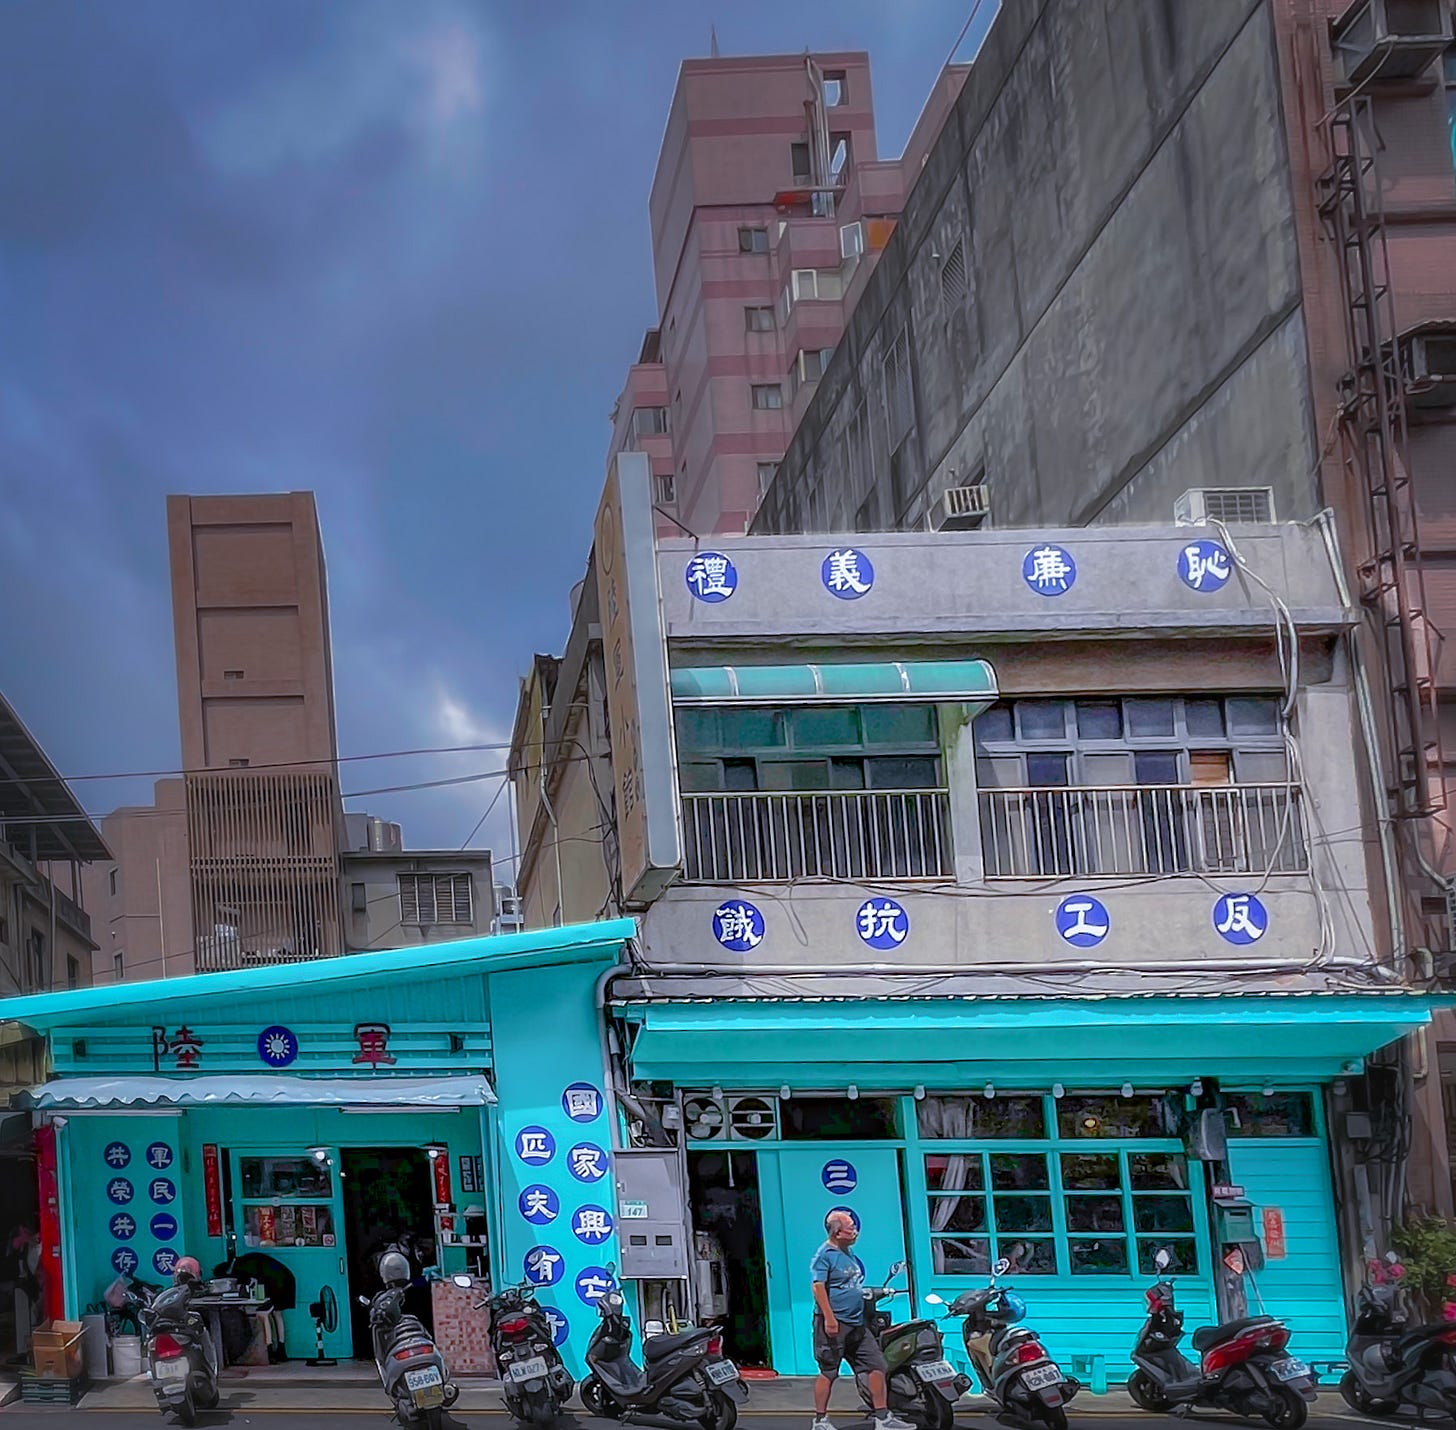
{"x":35,"y":800}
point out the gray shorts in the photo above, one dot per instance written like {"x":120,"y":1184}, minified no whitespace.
{"x":853,"y":1344}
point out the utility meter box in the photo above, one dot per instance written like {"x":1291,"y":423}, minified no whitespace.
{"x":651,"y":1215}
{"x":1234,"y":1220}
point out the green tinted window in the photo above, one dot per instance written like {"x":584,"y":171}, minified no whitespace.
{"x":696,"y":729}
{"x":750,"y":729}
{"x":898,"y":724}
{"x":818,"y":726}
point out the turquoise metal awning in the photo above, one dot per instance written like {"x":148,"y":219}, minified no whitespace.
{"x":900,"y":680}
{"x":1017,"y":1042}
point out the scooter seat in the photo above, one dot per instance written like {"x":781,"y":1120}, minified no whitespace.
{"x":1206,"y":1336}
{"x":656,"y":1347}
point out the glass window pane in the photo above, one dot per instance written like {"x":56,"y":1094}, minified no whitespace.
{"x":1046,"y":771}
{"x":903,"y":772}
{"x":1090,"y":1213}
{"x":1204,"y":717}
{"x":740,"y":774}
{"x":999,"y":772}
{"x":1149,"y":715}
{"x":1184,"y":1254}
{"x":794,"y":774}
{"x":847,"y":773}
{"x":955,"y":1257}
{"x":1111,"y":1117}
{"x":954,"y":1172}
{"x":1158,"y":1171}
{"x":1253,"y":715}
{"x":1260,"y":767}
{"x":1022,"y":1214}
{"x":1042,"y":719}
{"x":751,"y":729}
{"x":1159,"y":1213}
{"x":1088,"y":1172}
{"x":820,"y":726}
{"x":1156,"y":768}
{"x":1028,"y":1258}
{"x":696,"y":729}
{"x":1281,"y":1114}
{"x":964,"y":1213}
{"x":1017,"y":1171}
{"x":706,"y":775}
{"x":1099,"y":720}
{"x":981,"y":1117}
{"x":285,"y":1177}
{"x":994,"y":724}
{"x":1098,"y":1258}
{"x":898,"y":724}
{"x":835,"y":1119}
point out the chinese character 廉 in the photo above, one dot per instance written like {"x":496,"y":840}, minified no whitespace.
{"x":1049,"y":569}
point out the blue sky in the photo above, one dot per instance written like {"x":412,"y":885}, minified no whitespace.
{"x":394,"y":253}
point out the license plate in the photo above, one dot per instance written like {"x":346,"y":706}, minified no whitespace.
{"x":533,"y":1369}
{"x":1289,"y":1369}
{"x":419,"y":1379}
{"x":170,"y":1369}
{"x":720,"y":1372}
{"x":935,"y":1371}
{"x":1043,"y":1375}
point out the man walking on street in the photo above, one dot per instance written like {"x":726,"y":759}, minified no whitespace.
{"x":840,"y":1333}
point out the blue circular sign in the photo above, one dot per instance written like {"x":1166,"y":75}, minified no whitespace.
{"x":165,"y":1261}
{"x":124,"y":1261}
{"x":738,"y":926}
{"x":1240,"y":919}
{"x":1049,"y":570}
{"x":277,"y":1047}
{"x":539,"y":1205}
{"x":162,"y":1191}
{"x":847,"y":573}
{"x":582,"y":1102}
{"x":1082,"y":921}
{"x":882,"y":923}
{"x":543,"y":1265}
{"x":117,"y":1155}
{"x":594,"y":1283}
{"x":159,"y":1156}
{"x":839,"y":1176}
{"x":535,"y":1145}
{"x":592,"y":1225}
{"x":587,"y":1162}
{"x":1205,"y":566}
{"x":560,"y":1326}
{"x":845,"y":1211}
{"x":120,"y":1191}
{"x":123,"y":1226}
{"x":164,"y":1226}
{"x":711,"y":577}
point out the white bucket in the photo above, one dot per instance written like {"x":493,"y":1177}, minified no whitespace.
{"x":126,"y":1355}
{"x":93,"y":1347}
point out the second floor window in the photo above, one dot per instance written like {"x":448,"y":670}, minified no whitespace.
{"x":767,"y":396}
{"x":753,"y":240}
{"x":650,"y":421}
{"x":435,"y":899}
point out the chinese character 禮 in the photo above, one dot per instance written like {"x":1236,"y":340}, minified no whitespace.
{"x":709,"y":575}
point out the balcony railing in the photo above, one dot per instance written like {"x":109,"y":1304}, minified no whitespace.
{"x":1143,"y":829}
{"x":862,"y":835}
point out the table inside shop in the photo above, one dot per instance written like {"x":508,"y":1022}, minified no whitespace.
{"x":212,"y":1308}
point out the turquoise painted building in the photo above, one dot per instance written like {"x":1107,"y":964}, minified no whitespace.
{"x":311,"y":1112}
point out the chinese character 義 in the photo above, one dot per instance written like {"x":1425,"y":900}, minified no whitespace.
{"x":842,"y":572}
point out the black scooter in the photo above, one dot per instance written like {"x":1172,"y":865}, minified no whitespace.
{"x":533,"y":1380}
{"x":181,"y":1362}
{"x":1244,"y":1368}
{"x":411,"y":1369}
{"x":1393,"y":1363}
{"x":919,"y":1381}
{"x":686,"y":1378}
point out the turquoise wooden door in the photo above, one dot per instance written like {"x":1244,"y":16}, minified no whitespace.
{"x":1304,"y":1286}
{"x":798,"y":1188}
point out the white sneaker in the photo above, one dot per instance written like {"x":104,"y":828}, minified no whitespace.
{"x":823,"y":1422}
{"x":890,"y":1421}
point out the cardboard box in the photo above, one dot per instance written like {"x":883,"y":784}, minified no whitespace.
{"x":55,"y":1350}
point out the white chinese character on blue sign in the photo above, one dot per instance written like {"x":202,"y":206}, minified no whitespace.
{"x":592,"y":1225}
{"x":535,"y":1145}
{"x":587,"y":1162}
{"x":124,"y":1261}
{"x":159,"y":1156}
{"x":165,"y":1261}
{"x":581,"y":1102}
{"x":117,"y":1154}
{"x":164,"y":1226}
{"x":848,"y":574}
{"x":120,"y":1190}
{"x":543,"y":1265}
{"x":711,"y":577}
{"x":1205,"y":565}
{"x":123,"y":1226}
{"x":162,"y":1191}
{"x":1240,"y":919}
{"x":1049,"y":570}
{"x":560,"y":1326}
{"x":594,"y":1283}
{"x":882,"y":923}
{"x":839,"y":1176}
{"x":738,"y":926}
{"x":1082,"y":920}
{"x":539,"y":1205}
{"x":277,"y":1046}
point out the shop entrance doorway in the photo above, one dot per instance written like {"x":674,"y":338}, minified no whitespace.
{"x":388,"y":1204}
{"x":723,"y":1188}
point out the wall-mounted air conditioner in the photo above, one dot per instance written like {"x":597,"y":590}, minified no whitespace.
{"x":1243,"y":506}
{"x":1428,"y":364}
{"x":1380,"y":40}
{"x":960,"y":509}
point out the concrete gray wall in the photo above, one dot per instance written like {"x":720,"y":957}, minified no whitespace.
{"x":380,"y":927}
{"x":1116,"y":172}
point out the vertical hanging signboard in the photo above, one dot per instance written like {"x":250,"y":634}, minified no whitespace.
{"x":1274,"y":1247}
{"x":212,"y":1188}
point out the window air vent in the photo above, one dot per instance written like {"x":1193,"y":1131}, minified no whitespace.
{"x":1428,"y":361}
{"x":1379,"y":40}
{"x":960,"y":508}
{"x":1238,"y":506}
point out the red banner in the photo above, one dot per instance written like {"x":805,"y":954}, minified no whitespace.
{"x":212,"y":1188}
{"x":441,"y":1164}
{"x":1274,"y":1247}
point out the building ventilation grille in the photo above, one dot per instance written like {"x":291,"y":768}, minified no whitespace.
{"x":953,"y":276}
{"x":1234,"y":505}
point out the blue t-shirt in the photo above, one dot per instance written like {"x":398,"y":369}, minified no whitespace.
{"x":843,"y":1282}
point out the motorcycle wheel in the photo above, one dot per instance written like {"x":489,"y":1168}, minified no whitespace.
{"x":598,"y":1400}
{"x":187,"y":1410}
{"x":1358,"y":1398}
{"x":1054,"y":1417}
{"x":210,"y":1402}
{"x":936,"y":1411}
{"x":1146,"y":1393}
{"x":434,"y":1418}
{"x":722,"y":1413}
{"x":1288,"y":1410}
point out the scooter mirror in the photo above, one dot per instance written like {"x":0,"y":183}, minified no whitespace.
{"x":463,"y":1282}
{"x":611,"y":1268}
{"x":1391,"y":1257}
{"x":934,"y":1302}
{"x":1161,"y":1259}
{"x":895,"y":1270}
{"x":363,"y":1300}
{"x":1001,"y":1267}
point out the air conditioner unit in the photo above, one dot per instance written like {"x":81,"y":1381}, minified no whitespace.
{"x":1242,"y":506}
{"x":736,"y":1117}
{"x":1428,"y":364}
{"x":960,"y":509}
{"x":1390,"y":39}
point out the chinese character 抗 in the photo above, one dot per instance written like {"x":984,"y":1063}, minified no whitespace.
{"x":882,"y":921}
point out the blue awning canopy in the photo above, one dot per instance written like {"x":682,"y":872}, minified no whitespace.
{"x":1018,"y":1042}
{"x":971,"y":681}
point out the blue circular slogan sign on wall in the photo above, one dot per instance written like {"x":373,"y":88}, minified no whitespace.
{"x":839,"y":1176}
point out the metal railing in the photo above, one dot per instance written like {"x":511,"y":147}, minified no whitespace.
{"x":1143,"y":829}
{"x":840,"y":834}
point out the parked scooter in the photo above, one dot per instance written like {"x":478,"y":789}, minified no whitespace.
{"x":535,"y":1383}
{"x":181,"y":1360}
{"x":1244,"y":1368}
{"x":685,"y":1378}
{"x":1393,"y":1363}
{"x":919,"y":1380}
{"x":411,"y":1370}
{"x":1012,"y":1365}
